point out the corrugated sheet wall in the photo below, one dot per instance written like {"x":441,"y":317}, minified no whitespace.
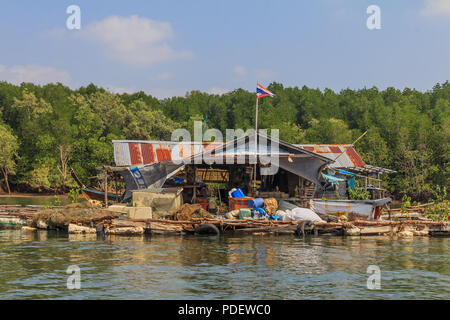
{"x":138,"y":153}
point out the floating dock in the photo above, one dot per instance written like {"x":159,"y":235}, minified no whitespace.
{"x":98,"y":220}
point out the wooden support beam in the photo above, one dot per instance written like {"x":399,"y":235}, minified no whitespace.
{"x":375,"y":230}
{"x":106,"y":189}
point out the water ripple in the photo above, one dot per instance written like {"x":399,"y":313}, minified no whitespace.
{"x":33,"y":266}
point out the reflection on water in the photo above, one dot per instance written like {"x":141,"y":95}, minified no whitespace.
{"x":35,"y":200}
{"x":33,"y":265}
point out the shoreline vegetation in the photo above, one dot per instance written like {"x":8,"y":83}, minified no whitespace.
{"x":45,"y":130}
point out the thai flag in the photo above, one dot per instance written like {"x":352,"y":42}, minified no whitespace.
{"x":263,"y":92}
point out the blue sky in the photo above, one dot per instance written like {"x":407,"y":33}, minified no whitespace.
{"x":169,"y":47}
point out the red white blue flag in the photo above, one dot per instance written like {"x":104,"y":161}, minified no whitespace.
{"x":263,"y":92}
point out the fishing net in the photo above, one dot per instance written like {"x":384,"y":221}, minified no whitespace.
{"x":189,"y":211}
{"x":60,"y":218}
{"x":271,"y":206}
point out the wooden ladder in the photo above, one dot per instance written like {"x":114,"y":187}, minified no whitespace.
{"x":308,"y":194}
{"x":310,"y":191}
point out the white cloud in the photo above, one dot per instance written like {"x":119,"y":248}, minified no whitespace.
{"x":436,"y":7}
{"x":240,"y":72}
{"x":33,"y":73}
{"x":164,"y":76}
{"x":134,"y":40}
{"x":217,"y":90}
{"x":265,"y":74}
{"x":120,"y":90}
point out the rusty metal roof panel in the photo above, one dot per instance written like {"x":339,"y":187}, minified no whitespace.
{"x":137,"y":153}
{"x":344,"y":155}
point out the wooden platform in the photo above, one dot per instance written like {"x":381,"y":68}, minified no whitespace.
{"x":16,"y":216}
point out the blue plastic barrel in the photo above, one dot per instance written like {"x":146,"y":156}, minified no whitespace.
{"x":256,"y":203}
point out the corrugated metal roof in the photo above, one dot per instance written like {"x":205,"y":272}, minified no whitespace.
{"x":344,"y":155}
{"x":137,"y":153}
{"x":243,"y":146}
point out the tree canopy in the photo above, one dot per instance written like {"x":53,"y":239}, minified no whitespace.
{"x":8,"y":153}
{"x":56,"y":127}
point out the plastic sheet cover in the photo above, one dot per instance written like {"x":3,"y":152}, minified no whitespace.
{"x":149,"y":176}
{"x":307,"y":167}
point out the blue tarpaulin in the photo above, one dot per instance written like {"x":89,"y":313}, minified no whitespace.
{"x":351,"y":183}
{"x":347,"y":173}
{"x":332,"y":179}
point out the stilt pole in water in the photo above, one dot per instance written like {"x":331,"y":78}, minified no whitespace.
{"x":106,"y":189}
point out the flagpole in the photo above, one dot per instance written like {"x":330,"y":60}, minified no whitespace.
{"x":256,"y":141}
{"x":256,"y":122}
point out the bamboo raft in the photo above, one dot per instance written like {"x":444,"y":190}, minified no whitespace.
{"x":15,"y":216}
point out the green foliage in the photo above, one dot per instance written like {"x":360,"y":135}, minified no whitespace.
{"x":358,"y":193}
{"x":328,"y":131}
{"x":408,"y":131}
{"x":39,"y":177}
{"x":74,"y":195}
{"x":439,"y":211}
{"x":440,"y":194}
{"x":406,"y":202}
{"x":8,"y":153}
{"x":56,"y":201}
{"x":8,"y":148}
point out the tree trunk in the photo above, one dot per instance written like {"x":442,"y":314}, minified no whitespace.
{"x":5,"y":175}
{"x":64,"y":156}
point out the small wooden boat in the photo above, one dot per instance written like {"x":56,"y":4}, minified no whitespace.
{"x":91,"y":194}
{"x":12,"y":222}
{"x":363,"y":209}
{"x":99,"y":195}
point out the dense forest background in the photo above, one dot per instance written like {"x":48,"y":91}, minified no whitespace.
{"x":44,"y":130}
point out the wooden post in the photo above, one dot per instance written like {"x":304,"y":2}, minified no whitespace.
{"x":194,"y":198}
{"x":106,"y":189}
{"x":115,"y":185}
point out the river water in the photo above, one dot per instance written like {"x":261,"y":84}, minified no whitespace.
{"x":33,"y":265}
{"x":38,"y":200}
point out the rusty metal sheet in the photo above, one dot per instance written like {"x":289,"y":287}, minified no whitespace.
{"x":335,"y":149}
{"x":164,"y":154}
{"x":355,"y":158}
{"x":345,"y":155}
{"x":148,"y":155}
{"x":137,"y":153}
